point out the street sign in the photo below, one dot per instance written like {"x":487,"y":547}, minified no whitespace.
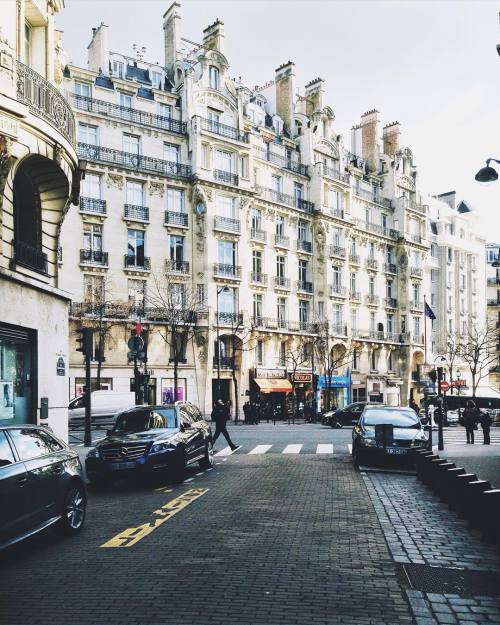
{"x":445,"y":386}
{"x":135,"y":343}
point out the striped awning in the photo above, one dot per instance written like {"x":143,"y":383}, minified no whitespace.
{"x":274,"y":385}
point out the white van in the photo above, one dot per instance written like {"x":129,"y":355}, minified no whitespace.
{"x":104,"y":407}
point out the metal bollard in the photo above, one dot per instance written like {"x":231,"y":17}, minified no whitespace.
{"x":471,"y":493}
{"x":457,"y":487}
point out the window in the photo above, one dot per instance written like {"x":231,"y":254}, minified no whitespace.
{"x":92,"y":238}
{"x":171,"y":153}
{"x":303,"y":270}
{"x":213,"y":120}
{"x":226,"y":206}
{"x":135,"y":247}
{"x":450,"y":326}
{"x":391,"y":326}
{"x":28,"y":42}
{"x":337,"y":315}
{"x":205,"y":154}
{"x":82,"y":89}
{"x":176,"y":248}
{"x":226,"y":252}
{"x":373,"y":360}
{"x":352,"y":248}
{"x":298,"y":192}
{"x":259,"y":353}
{"x":449,"y":302}
{"x":390,"y":254}
{"x":213,"y":77}
{"x":277,"y":183}
{"x":280,"y":225}
{"x":416,"y":327}
{"x":450,"y":254}
{"x":228,"y":301}
{"x":390,"y":362}
{"x":175,"y":200}
{"x":136,"y":293}
{"x":165,"y":110}
{"x":355,"y":359}
{"x":337,"y":236}
{"x":257,"y":261}
{"x":177,"y":294}
{"x":303,"y":230}
{"x":371,"y":251}
{"x":281,"y":311}
{"x":372,"y":322}
{"x":257,"y":307}
{"x":354,"y":319}
{"x":118,"y":69}
{"x":87,"y":134}
{"x":156,"y":79}
{"x":200,"y":295}
{"x":91,"y":186}
{"x":303,"y":312}
{"x":33,"y":443}
{"x":434,"y":250}
{"x":93,"y":289}
{"x":6,"y":455}
{"x":125,"y":100}
{"x":131,"y":144}
{"x":282,"y":354}
{"x":371,"y":286}
{"x":353,"y":281}
{"x":416,"y":292}
{"x":135,"y":193}
{"x":280,"y":266}
{"x":244,"y":167}
{"x":223,"y":161}
{"x":388,"y":288}
{"x":337,"y":276}
{"x":434,"y":274}
{"x":321,"y":311}
{"x":368,"y":215}
{"x":256,"y":219}
{"x":433,"y":299}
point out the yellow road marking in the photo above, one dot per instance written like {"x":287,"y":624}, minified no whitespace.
{"x":164,"y":489}
{"x":132,"y":535}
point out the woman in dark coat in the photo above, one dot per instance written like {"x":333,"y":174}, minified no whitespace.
{"x":471,"y":416}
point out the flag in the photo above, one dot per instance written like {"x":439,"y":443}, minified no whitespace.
{"x":428,"y":312}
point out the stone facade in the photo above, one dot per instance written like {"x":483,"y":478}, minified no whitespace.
{"x":493,"y":303}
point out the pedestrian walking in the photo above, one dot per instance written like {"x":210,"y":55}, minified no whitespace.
{"x":414,"y":406}
{"x":485,"y":420}
{"x":470,"y":419}
{"x":247,"y":411}
{"x":220,"y":415}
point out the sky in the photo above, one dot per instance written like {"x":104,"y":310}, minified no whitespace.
{"x":432,"y":65}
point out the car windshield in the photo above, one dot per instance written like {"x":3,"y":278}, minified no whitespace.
{"x":398,"y":418}
{"x":144,"y":420}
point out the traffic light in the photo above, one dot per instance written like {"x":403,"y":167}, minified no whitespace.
{"x":85,"y":342}
{"x":433,"y":375}
{"x":440,"y":374}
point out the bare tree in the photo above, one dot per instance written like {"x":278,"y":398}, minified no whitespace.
{"x":298,"y":354}
{"x":177,"y":305}
{"x":451,"y":354}
{"x":478,"y":350}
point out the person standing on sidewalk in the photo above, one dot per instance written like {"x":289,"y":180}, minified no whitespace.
{"x":220,"y":415}
{"x":485,"y":421}
{"x":470,"y":420}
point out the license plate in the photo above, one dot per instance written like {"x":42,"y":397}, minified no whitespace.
{"x":120,"y":466}
{"x":396,"y":451}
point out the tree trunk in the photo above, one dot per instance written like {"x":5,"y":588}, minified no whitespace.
{"x":100,"y":356}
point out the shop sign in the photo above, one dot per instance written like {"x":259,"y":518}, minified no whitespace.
{"x":357,"y":382}
{"x":376,"y":387}
{"x":61,"y":366}
{"x":302,"y":378}
{"x":458,"y":383}
{"x":269,"y":373}
{"x":334,"y":381}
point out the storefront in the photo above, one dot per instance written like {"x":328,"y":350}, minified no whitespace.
{"x":303,"y":391}
{"x":376,"y":390}
{"x":271,"y":390}
{"x":17,"y":382}
{"x":358,"y":387}
{"x":333,"y":391}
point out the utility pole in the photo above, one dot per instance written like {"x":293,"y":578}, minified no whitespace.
{"x":85,"y":345}
{"x":136,"y":354}
{"x":440,"y":408}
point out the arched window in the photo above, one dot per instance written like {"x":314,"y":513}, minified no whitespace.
{"x":27,"y":210}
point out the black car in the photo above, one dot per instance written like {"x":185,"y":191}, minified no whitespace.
{"x":344,"y":416}
{"x":386,"y":431}
{"x":151,"y":440}
{"x":41,"y":484}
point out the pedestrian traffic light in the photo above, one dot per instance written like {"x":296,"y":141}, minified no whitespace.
{"x":85,"y":342}
{"x":433,"y":375}
{"x":440,"y":374}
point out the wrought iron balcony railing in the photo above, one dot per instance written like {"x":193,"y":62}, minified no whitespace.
{"x":125,"y":113}
{"x":94,"y":257}
{"x":355,"y":296}
{"x":281,"y":282}
{"x":230,"y":132}
{"x":92,"y":205}
{"x":336,"y":212}
{"x":257,"y":234}
{"x":173,"y":218}
{"x":337,"y":290}
{"x":140,"y":263}
{"x":417,"y":305}
{"x":45,"y":101}
{"x":229,"y":318}
{"x":226,"y":223}
{"x":224,"y":362}
{"x":258,"y":278}
{"x":176,"y":266}
{"x":354,"y":259}
{"x":136,"y":162}
{"x":304,"y":246}
{"x":283,"y":198}
{"x":372,"y":300}
{"x":368,"y":226}
{"x":416,"y":272}
{"x":391,"y":302}
{"x":368,"y":195}
{"x":304,"y":286}
{"x":225,"y":270}
{"x":335,"y":173}
{"x":226,"y":176}
{"x":29,"y":256}
{"x":371,"y":263}
{"x":338,"y":251}
{"x":281,"y":241}
{"x":292,"y":164}
{"x":390,"y":268}
{"x":136,"y":213}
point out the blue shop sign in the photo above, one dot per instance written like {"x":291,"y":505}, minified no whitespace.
{"x":334,"y":381}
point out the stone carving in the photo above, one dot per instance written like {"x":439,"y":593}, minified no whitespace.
{"x":244,"y":202}
{"x":270,"y":213}
{"x":57,"y":156}
{"x":200,"y":232}
{"x":156,"y":188}
{"x":115,"y":180}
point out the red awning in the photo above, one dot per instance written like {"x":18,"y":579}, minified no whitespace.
{"x":274,"y":385}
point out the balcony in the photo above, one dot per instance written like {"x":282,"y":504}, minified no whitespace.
{"x":417,"y":305}
{"x":368,"y":226}
{"x":137,"y":263}
{"x":493,"y":302}
{"x":368,"y":195}
{"x":335,"y":174}
{"x":125,"y":113}
{"x":304,"y":246}
{"x":338,"y":251}
{"x":131,"y":311}
{"x":416,"y":238}
{"x":281,"y":241}
{"x":136,"y":213}
{"x":338,"y":329}
{"x":336,"y":212}
{"x":223,"y":270}
{"x":281,"y":283}
{"x":29,"y":256}
{"x":176,"y":266}
{"x":493,"y":281}
{"x":45,"y":101}
{"x":372,"y":264}
{"x":354,"y":259}
{"x":376,"y":335}
{"x":174,"y":218}
{"x":390,"y":268}
{"x":304,"y":286}
{"x":223,"y":130}
{"x":227,"y":223}
{"x":372,"y":300}
{"x":229,"y":319}
{"x":416,"y":272}
{"x":355,"y":296}
{"x":410,"y":204}
{"x":291,"y":164}
{"x":283,"y":198}
{"x":92,"y":205}
{"x":337,"y":290}
{"x":94,"y":257}
{"x":135,"y":162}
{"x":226,"y":177}
{"x":417,"y":338}
{"x":391,"y":302}
{"x":258,"y":235}
{"x":258,"y":278}
{"x":225,"y":363}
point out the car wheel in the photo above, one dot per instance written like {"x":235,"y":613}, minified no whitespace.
{"x":208,"y":460}
{"x":74,"y":509}
{"x":178,"y":467}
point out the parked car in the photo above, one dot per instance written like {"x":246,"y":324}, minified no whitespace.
{"x":345,"y":416}
{"x":367,"y":442}
{"x":41,"y":484}
{"x":148,"y":440}
{"x":452,"y":417}
{"x":105,"y":405}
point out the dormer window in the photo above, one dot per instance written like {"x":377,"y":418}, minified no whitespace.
{"x":213,"y":77}
{"x":118,"y":69}
{"x":278,"y":126}
{"x":27,"y":44}
{"x":156,"y":80}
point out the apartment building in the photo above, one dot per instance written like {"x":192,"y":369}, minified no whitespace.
{"x":246,"y":204}
{"x":493,"y":302}
{"x":39,"y":179}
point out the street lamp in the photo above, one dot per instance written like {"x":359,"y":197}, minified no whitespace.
{"x":223,"y":289}
{"x":487,"y":174}
{"x":459,"y":375}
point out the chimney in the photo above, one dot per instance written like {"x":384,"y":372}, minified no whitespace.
{"x":213,"y":36}
{"x":314,"y":95}
{"x":98,"y":49}
{"x":390,"y":134}
{"x":449,"y":197}
{"x":285,"y":91}
{"x":171,"y":36}
{"x":369,"y":136}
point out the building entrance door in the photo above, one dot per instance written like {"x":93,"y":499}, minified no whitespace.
{"x":224,"y":390}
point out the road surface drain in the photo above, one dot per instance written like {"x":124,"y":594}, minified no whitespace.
{"x":452,"y":581}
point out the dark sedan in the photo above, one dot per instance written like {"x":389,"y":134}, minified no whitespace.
{"x":41,"y":484}
{"x":386,"y":431}
{"x":152,"y":440}
{"x":344,"y":416}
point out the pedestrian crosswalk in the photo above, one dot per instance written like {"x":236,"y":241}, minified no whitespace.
{"x":293,"y":449}
{"x":456,"y":436}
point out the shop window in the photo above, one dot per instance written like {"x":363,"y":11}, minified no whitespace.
{"x":28,"y":221}
{"x":106,"y":385}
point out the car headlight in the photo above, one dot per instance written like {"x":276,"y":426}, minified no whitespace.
{"x":93,"y":453}
{"x":419,"y":442}
{"x":159,"y":447}
{"x":367,"y":442}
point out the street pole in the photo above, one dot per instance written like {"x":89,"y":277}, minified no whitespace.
{"x":137,"y":388}
{"x":218,"y":344}
{"x":440,"y":405}
{"x":87,"y":439}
